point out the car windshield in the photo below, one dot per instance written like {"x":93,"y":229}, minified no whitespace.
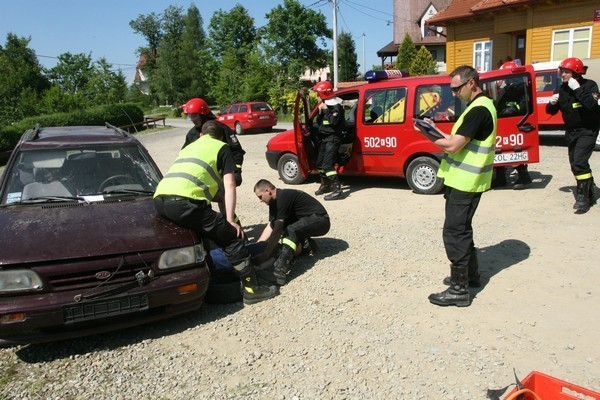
{"x":90,"y":174}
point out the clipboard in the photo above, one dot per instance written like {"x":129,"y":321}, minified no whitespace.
{"x":428,"y":129}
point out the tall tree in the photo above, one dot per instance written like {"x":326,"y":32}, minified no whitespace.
{"x":105,"y":85}
{"x":72,"y":72}
{"x":166,"y":79}
{"x":233,"y":39}
{"x":348,"y":65}
{"x":196,"y":61}
{"x":21,"y":80}
{"x":423,"y":64}
{"x":290,"y":39}
{"x":233,"y":30}
{"x":406,"y":53}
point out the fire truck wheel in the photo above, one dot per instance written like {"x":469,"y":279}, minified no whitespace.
{"x":421,"y":176}
{"x":289,"y":169}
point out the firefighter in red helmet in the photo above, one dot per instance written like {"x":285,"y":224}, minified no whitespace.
{"x":575,"y":100}
{"x":331,"y":124}
{"x":199,"y":112}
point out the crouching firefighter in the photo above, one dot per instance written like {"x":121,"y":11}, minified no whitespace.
{"x":184,"y":196}
{"x":295,"y":217}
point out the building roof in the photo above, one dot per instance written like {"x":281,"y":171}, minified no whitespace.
{"x":389,"y":49}
{"x":460,"y":9}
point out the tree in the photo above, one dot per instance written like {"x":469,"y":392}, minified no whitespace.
{"x":105,"y":86}
{"x":233,"y":30}
{"x":290,"y":39}
{"x":348,"y":66}
{"x":72,"y":72}
{"x":406,"y":53}
{"x":423,"y":64}
{"x":21,"y":80}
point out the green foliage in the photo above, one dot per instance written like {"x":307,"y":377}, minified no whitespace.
{"x":347,"y":58}
{"x":72,"y":72}
{"x":423,"y":64}
{"x":406,"y":53}
{"x":56,"y":100}
{"x":117,"y":114}
{"x":105,"y":86}
{"x":290,"y":40}
{"x":232,"y":31}
{"x":21,"y":80}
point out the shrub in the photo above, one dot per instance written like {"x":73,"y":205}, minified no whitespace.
{"x":115,"y":114}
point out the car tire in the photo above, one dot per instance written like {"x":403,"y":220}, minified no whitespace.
{"x":239,"y":130}
{"x":421,"y":176}
{"x":289,"y":169}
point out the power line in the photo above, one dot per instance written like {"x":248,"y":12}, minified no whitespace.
{"x":56,"y":58}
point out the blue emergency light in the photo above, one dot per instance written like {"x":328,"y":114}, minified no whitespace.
{"x":379,"y":75}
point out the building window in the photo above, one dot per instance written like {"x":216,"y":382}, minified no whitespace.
{"x":482,"y":56}
{"x":574,"y":42}
{"x":429,"y":30}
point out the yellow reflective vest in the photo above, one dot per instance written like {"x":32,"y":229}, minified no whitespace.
{"x":470,"y":169}
{"x":194,"y":174}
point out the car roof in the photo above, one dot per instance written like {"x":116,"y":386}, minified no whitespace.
{"x":73,"y":136}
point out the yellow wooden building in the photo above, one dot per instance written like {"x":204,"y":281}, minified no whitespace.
{"x":485,"y":33}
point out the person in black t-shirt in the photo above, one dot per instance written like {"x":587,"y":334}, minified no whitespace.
{"x":295,"y":216}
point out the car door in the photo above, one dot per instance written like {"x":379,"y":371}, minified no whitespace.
{"x":305,"y":150}
{"x":517,"y":139}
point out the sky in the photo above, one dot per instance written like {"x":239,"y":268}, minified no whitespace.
{"x":101,"y":27}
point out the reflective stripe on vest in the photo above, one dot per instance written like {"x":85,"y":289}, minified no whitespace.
{"x":194,"y":173}
{"x":471,"y":168}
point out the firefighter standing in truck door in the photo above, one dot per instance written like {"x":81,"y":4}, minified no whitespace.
{"x":330,"y":120}
{"x":575,"y":100}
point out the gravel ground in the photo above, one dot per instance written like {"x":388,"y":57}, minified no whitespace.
{"x":354,"y":321}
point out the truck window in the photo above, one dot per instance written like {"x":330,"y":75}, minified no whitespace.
{"x":546,"y":81}
{"x":384,"y":106}
{"x":435,"y":102}
{"x":510,"y":96}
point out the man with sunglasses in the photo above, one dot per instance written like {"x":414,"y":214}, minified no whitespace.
{"x":467,"y":171}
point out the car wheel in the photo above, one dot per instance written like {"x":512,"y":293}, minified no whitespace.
{"x":289,"y":169}
{"x":421,"y":176}
{"x":238,"y":129}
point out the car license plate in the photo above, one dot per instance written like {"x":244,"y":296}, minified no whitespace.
{"x":511,"y":157}
{"x":264,"y":117}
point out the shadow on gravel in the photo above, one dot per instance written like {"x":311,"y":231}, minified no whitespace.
{"x":352,"y":184}
{"x":540,"y":181}
{"x":327,"y":247}
{"x":493,"y":259}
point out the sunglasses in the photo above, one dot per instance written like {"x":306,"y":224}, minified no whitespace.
{"x":456,"y":89}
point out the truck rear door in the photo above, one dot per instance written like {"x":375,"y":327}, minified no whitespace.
{"x":514,"y":94}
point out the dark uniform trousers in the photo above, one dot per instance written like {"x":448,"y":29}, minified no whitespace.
{"x":581,"y":143}
{"x":458,"y":228}
{"x":200,"y":217}
{"x":327,"y":153}
{"x":305,"y":227}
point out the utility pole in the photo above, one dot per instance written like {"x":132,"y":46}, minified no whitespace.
{"x":364,"y":63}
{"x":335,"y":47}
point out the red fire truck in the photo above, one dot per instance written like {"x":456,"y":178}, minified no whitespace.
{"x":380,"y":139}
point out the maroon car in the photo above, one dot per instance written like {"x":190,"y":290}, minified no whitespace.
{"x":83,"y":250}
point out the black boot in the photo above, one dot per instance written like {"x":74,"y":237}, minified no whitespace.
{"x":458,"y":292}
{"x":336,"y":189}
{"x":524,"y":179}
{"x":252,"y":292}
{"x":474,"y":277}
{"x":309,"y":246}
{"x":582,"y":196}
{"x":592,"y":192}
{"x":283,"y":264}
{"x":325,"y":186}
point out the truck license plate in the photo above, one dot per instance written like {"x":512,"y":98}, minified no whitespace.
{"x":511,"y":157}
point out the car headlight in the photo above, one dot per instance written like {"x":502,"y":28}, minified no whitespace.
{"x":181,"y":257}
{"x":16,"y":280}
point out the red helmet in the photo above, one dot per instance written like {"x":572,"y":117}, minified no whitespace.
{"x":324,"y":89}
{"x":196,"y":106}
{"x":574,"y":64}
{"x":509,"y":64}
